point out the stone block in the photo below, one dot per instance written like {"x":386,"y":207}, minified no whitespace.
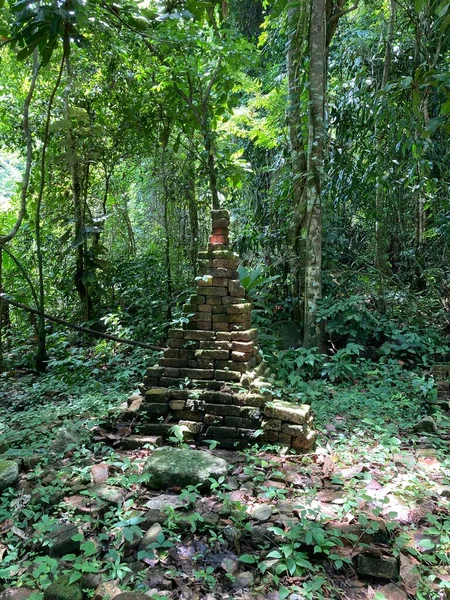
{"x":220,"y":281}
{"x":223,"y":336}
{"x":154,"y":371}
{"x":224,"y":263}
{"x":230,"y":365}
{"x":220,"y":327}
{"x":171,"y":372}
{"x":243,"y":346}
{"x":192,"y":364}
{"x":223,"y":410}
{"x":205,"y":363}
{"x":285,"y":439}
{"x":244,"y":336}
{"x":220,"y":223}
{"x":254,"y":400}
{"x":294,"y":430}
{"x":188,"y":415}
{"x":187,"y":354}
{"x":272,"y":425}
{"x":204,"y":281}
{"x":286,"y":411}
{"x":236,"y":288}
{"x":271,"y":436}
{"x":217,"y":397}
{"x":175,"y":343}
{"x":239,"y":308}
{"x":222,"y":375}
{"x":241,"y":356}
{"x":205,"y":308}
{"x":179,"y":394}
{"x":375,"y":566}
{"x":198,"y":335}
{"x":156,"y":394}
{"x":219,"y":432}
{"x":170,"y":382}
{"x":242,"y":318}
{"x":214,"y":300}
{"x":151,"y":381}
{"x":206,"y":384}
{"x":197,"y":373}
{"x":189,"y":308}
{"x":214,"y":354}
{"x":213,"y":420}
{"x":155,"y":409}
{"x":227,"y":300}
{"x":220,"y":318}
{"x":191,"y":426}
{"x":305,"y":442}
{"x":198,"y":299}
{"x":242,"y":423}
{"x":220,"y":309}
{"x":171,"y":353}
{"x":177,"y":404}
{"x":215,"y":345}
{"x":216,"y":230}
{"x":203,"y":325}
{"x":215,"y":291}
{"x":175,"y":334}
{"x":172,"y":362}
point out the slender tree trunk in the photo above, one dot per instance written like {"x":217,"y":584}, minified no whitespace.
{"x":166,"y":194}
{"x":211,"y":164}
{"x":381,"y":258}
{"x":297,"y":16}
{"x":193,"y":223}
{"x":316,"y":141}
{"x":41,"y":354}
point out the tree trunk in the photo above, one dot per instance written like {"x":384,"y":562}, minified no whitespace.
{"x":193,"y":223}
{"x":316,"y":141}
{"x":297,"y":20}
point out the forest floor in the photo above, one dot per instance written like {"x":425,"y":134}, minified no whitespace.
{"x":366,"y":515}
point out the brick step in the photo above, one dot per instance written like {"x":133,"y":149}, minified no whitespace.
{"x":135,"y":442}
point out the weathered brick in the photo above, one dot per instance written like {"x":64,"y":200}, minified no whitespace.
{"x":187,"y":354}
{"x":216,"y":345}
{"x":240,"y":326}
{"x":220,"y":309}
{"x":255,"y":400}
{"x":151,"y":381}
{"x":223,"y":336}
{"x":243,"y":346}
{"x":217,"y":397}
{"x":189,"y":308}
{"x":175,"y":333}
{"x":198,"y":335}
{"x":220,"y":327}
{"x":179,"y":394}
{"x":294,"y":430}
{"x":241,"y":356}
{"x":206,"y":384}
{"x":239,"y":309}
{"x":155,"y":409}
{"x":191,"y":426}
{"x":215,"y":291}
{"x":285,"y":439}
{"x":213,"y":420}
{"x":236,"y":289}
{"x":241,"y":422}
{"x":197,"y":373}
{"x":220,"y":223}
{"x":154,"y":371}
{"x":215,"y":431}
{"x":220,"y":318}
{"x":272,"y":425}
{"x":205,"y":363}
{"x":177,"y":404}
{"x":172,"y":362}
{"x":224,"y":263}
{"x":241,"y":318}
{"x":171,"y":372}
{"x":156,"y":394}
{"x":230,"y":365}
{"x":203,"y":325}
{"x":244,"y":336}
{"x":175,"y":343}
{"x":286,"y":411}
{"x":214,"y":354}
{"x":204,"y":281}
{"x":221,"y":375}
{"x":192,"y":364}
{"x":171,"y":353}
{"x":220,"y":281}
{"x":224,"y":410}
{"x":214,"y":300}
{"x":189,"y":415}
{"x":170,"y":382}
{"x":272,"y":436}
{"x":198,"y":299}
{"x":227,"y":300}
{"x":205,"y":308}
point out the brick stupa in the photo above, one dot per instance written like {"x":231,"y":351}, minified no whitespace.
{"x":209,"y":379}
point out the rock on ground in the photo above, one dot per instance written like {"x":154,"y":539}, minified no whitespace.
{"x":60,"y":589}
{"x":9,"y":474}
{"x":181,"y":467}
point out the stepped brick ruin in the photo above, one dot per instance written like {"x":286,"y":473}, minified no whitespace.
{"x":210,"y":378}
{"x":441,"y":375}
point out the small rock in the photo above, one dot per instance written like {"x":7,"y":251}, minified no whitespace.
{"x":107,"y":591}
{"x":108,"y":493}
{"x":60,"y":589}
{"x":181,"y":467}
{"x":409,"y":575}
{"x":9,"y":474}
{"x":131,"y":596}
{"x":15,"y":594}
{"x":150,"y":536}
{"x":164,"y":500}
{"x":425,"y":425}
{"x":247,"y":488}
{"x":61,"y":543}
{"x":243,"y":580}
{"x":261,"y":512}
{"x":66,"y":438}
{"x":392,"y":592}
{"x":373,"y":566}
